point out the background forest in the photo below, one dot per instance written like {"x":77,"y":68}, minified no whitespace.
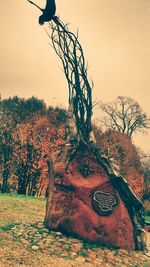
{"x":31,"y":131}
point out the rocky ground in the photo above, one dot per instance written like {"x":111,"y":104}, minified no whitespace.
{"x":39,"y":247}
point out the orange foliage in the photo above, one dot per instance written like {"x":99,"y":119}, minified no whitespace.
{"x":121,"y":151}
{"x":34,"y":143}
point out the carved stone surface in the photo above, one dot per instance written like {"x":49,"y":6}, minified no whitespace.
{"x":70,"y":206}
{"x":104,"y":202}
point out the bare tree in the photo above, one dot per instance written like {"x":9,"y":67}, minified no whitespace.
{"x":125,"y":115}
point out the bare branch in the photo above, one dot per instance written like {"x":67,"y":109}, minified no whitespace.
{"x":69,"y":50}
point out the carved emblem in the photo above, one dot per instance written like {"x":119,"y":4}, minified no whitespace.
{"x":104,"y":202}
{"x":85,"y":169}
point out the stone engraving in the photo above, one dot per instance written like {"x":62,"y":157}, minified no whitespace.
{"x":85,"y":169}
{"x":103,"y":202}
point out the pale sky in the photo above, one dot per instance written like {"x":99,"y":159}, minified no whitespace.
{"x":115,"y":35}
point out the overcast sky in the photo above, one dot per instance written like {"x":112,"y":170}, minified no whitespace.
{"x":115,"y":35}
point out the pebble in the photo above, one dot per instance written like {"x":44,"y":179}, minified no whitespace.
{"x":74,"y":254}
{"x":40,"y":225}
{"x":24,"y":241}
{"x":110,"y":255}
{"x":98,"y":261}
{"x":101,"y":254}
{"x":123,"y":251}
{"x":19,"y":233}
{"x":35,"y":248}
{"x":38,"y":236}
{"x":52,"y":249}
{"x":108,"y":265}
{"x":80,"y":259}
{"x":44,"y":235}
{"x":50,"y":237}
{"x":126,"y":262}
{"x":45,"y":230}
{"x":78,"y":246}
{"x":58,"y":244}
{"x":65,"y":254}
{"x":58,"y":233}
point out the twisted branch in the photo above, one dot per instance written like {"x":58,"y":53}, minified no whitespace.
{"x":69,"y":50}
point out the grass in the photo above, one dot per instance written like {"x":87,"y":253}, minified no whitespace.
{"x":147,"y":214}
{"x":8,"y":227}
{"x":88,"y":245}
{"x":82,"y":253}
{"x":17,"y":209}
{"x":20,"y":208}
{"x":147,"y":219}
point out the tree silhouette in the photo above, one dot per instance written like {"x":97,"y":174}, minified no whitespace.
{"x":125,"y":115}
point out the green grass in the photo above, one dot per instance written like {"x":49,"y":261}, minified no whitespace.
{"x":8,"y":227}
{"x":20,"y":208}
{"x":147,"y":219}
{"x":17,"y":209}
{"x":116,"y":252}
{"x":88,"y":245}
{"x":82,"y":253}
{"x":147,"y":215}
{"x":16,"y":196}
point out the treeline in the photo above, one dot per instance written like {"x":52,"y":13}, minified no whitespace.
{"x":30,"y":132}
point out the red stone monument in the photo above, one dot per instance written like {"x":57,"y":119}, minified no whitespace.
{"x":86,"y":198}
{"x":82,"y":202}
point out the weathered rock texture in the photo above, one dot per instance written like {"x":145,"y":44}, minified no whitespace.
{"x":74,"y":208}
{"x":136,"y":181}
